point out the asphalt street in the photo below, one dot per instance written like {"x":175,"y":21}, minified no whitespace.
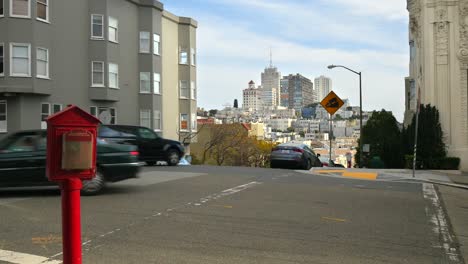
{"x":200,"y":214}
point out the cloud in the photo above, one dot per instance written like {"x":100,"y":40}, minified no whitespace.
{"x":388,"y":9}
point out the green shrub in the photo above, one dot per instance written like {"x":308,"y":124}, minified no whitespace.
{"x":449,"y":163}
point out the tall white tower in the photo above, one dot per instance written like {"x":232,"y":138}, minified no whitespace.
{"x":323,"y":86}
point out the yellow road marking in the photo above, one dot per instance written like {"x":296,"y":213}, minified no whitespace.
{"x":224,"y":206}
{"x":361,"y":175}
{"x":333,"y":219}
{"x":46,"y":240}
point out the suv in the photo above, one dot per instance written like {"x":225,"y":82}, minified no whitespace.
{"x":151,"y":147}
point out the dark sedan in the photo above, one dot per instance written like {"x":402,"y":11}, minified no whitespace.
{"x":23,"y":161}
{"x":294,"y":155}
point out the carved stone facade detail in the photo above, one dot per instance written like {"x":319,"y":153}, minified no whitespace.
{"x":414,"y":8}
{"x":463,"y":56}
{"x":442,"y":34}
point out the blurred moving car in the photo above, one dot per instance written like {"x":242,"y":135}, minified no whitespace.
{"x":294,"y":155}
{"x":329,"y":163}
{"x":23,"y":162}
{"x":152,"y":147}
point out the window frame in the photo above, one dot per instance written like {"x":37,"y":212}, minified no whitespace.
{"x":193,"y":57}
{"x":110,"y":109}
{"x":180,"y":122}
{"x":193,"y":90}
{"x":193,"y":123}
{"x":6,"y":116}
{"x":53,"y":108}
{"x":187,"y":88}
{"x":156,"y":82}
{"x":44,"y":123}
{"x":103,"y":84}
{"x":148,"y":119}
{"x":157,"y":113}
{"x":95,"y":110}
{"x":3,"y":9}
{"x":183,"y":51}
{"x":2,"y":59}
{"x":102,"y":27}
{"x":148,"y":74}
{"x":109,"y":75}
{"x":109,"y":27}
{"x":19,"y":16}
{"x":158,"y":44}
{"x":47,"y":76}
{"x":46,"y":20}
{"x":28,"y":45}
{"x":140,"y":41}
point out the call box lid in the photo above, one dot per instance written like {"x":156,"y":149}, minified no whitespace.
{"x":72,"y":116}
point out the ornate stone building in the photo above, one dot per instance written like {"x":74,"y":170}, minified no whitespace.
{"x":438,"y":41}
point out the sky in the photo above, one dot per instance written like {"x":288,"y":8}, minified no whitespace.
{"x":234,"y":38}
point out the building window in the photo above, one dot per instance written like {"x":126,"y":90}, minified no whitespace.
{"x":20,"y":8}
{"x":107,"y":115}
{"x":145,"y":82}
{"x":42,"y":10}
{"x":156,"y":44}
{"x":192,"y":57}
{"x":194,"y":122}
{"x":157,"y":83}
{"x":3,"y":116}
{"x":184,"y":122}
{"x":2,"y":72}
{"x":97,"y":69}
{"x":1,"y":9}
{"x":42,"y":63}
{"x":183,"y":56}
{"x":113,"y":30}
{"x":93,"y":111}
{"x":97,"y":26}
{"x":45,"y":112}
{"x":194,"y":90}
{"x":20,"y":60}
{"x":113,"y":75}
{"x":144,"y":42}
{"x":145,"y":118}
{"x":157,"y":120}
{"x":57,"y":108}
{"x":184,"y":90}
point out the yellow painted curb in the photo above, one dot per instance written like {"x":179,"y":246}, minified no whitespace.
{"x":361,"y":175}
{"x":330,"y":171}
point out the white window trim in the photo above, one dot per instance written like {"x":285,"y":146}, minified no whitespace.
{"x":116,"y":30}
{"x":19,"y":16}
{"x":47,"y":12}
{"x":109,"y":76}
{"x":6,"y":116}
{"x":180,"y":89}
{"x":53,"y":106}
{"x":139,"y":42}
{"x":49,"y":113}
{"x":2,"y":74}
{"x":193,"y":121}
{"x":11,"y":60}
{"x":96,"y":108}
{"x":182,"y":50}
{"x":47,"y":65}
{"x":154,"y":82}
{"x":192,"y":89}
{"x":103,"y":24}
{"x":149,"y":80}
{"x":115,"y":115}
{"x":180,"y":123}
{"x":159,"y":44}
{"x":193,"y":57}
{"x":148,"y":111}
{"x":154,"y":121}
{"x":103,"y":75}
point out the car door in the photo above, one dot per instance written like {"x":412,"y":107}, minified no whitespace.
{"x":152,"y":146}
{"x":21,"y":162}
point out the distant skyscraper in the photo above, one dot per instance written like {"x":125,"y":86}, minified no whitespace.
{"x":251,"y":97}
{"x":284,"y":92}
{"x":300,"y":89}
{"x":271,"y":85}
{"x":323,"y":86}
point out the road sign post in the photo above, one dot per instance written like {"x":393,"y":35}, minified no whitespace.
{"x":331,"y":103}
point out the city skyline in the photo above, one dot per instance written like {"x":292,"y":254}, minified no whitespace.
{"x":365,"y":37}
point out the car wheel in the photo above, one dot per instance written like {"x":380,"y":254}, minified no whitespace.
{"x":151,"y":163}
{"x":94,"y":186}
{"x":307,"y":165}
{"x":173,"y":157}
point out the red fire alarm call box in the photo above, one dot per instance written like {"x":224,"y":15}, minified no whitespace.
{"x":71,"y":145}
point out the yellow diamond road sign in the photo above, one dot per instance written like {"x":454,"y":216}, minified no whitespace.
{"x":332,"y":103}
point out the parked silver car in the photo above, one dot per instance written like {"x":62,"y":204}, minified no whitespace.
{"x":295,"y":155}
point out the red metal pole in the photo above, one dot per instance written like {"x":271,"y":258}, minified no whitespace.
{"x":71,"y":220}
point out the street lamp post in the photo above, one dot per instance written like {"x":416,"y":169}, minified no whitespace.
{"x":360,"y":107}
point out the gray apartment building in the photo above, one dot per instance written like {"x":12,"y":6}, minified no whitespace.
{"x":125,"y":61}
{"x":300,"y":91}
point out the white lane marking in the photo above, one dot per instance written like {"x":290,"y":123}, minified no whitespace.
{"x":440,"y":226}
{"x":147,"y":178}
{"x":23,"y":258}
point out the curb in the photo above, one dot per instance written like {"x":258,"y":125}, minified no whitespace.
{"x":461,"y":186}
